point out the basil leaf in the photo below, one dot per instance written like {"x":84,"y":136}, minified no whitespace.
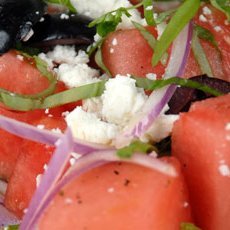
{"x":188,"y":226}
{"x":223,"y":5}
{"x":11,"y":227}
{"x":148,"y":12}
{"x":20,"y":103}
{"x":205,"y":35}
{"x":146,"y":34}
{"x":108,"y":22}
{"x":100,"y":63}
{"x":181,"y":17}
{"x":148,"y":84}
{"x":136,"y":146}
{"x":66,"y":3}
{"x":200,"y":55}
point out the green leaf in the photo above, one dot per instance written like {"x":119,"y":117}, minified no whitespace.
{"x":200,"y":55}
{"x":136,"y":146}
{"x":188,"y":226}
{"x":148,"y":84}
{"x":146,"y":34}
{"x":108,"y":22}
{"x":179,"y":20}
{"x":148,"y":12}
{"x":66,"y":3}
{"x":22,"y":103}
{"x":11,"y":227}
{"x":223,"y":5}
{"x":205,"y":35}
{"x":100,"y":63}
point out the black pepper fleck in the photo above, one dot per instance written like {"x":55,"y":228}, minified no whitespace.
{"x":127,"y":182}
{"x":116,"y":172}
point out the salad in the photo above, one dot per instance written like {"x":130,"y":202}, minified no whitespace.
{"x":115,"y":114}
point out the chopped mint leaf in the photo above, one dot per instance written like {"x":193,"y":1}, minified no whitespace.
{"x":223,"y":5}
{"x":136,"y":146}
{"x":188,"y":226}
{"x":205,"y":35}
{"x":200,"y":55}
{"x":148,"y":84}
{"x":182,"y":16}
{"x":148,"y":12}
{"x":108,"y":22}
{"x":146,"y":34}
{"x":66,"y":3}
{"x":11,"y":227}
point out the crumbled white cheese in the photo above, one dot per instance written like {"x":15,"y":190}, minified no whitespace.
{"x":114,"y":42}
{"x":217,"y":28}
{"x":202,"y":18}
{"x":206,"y":11}
{"x":151,"y":76}
{"x":227,"y":127}
{"x":161,"y":128}
{"x":76,"y":75}
{"x":41,"y":126}
{"x":38,"y":179}
{"x":64,"y":16}
{"x":121,"y":100}
{"x":224,"y":170}
{"x":65,"y":54}
{"x":87,"y":126}
{"x":96,"y":8}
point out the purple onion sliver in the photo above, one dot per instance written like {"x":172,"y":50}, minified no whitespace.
{"x":31,"y":132}
{"x":49,"y":178}
{"x":159,"y":98}
{"x":96,"y":159}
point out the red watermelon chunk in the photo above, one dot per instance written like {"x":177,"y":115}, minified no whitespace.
{"x":201,"y":141}
{"x":30,"y":164}
{"x":120,"y":196}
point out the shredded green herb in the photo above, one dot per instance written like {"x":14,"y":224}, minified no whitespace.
{"x":200,"y":55}
{"x":182,"y":16}
{"x":148,"y":12}
{"x":11,"y":227}
{"x":21,"y":103}
{"x":66,"y":3}
{"x":205,"y":35}
{"x":148,"y":84}
{"x":136,"y":146}
{"x":188,"y":226}
{"x":223,"y":5}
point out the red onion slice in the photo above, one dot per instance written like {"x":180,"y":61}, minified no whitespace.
{"x":55,"y":169}
{"x":159,"y":98}
{"x":44,"y":136}
{"x":6,"y":217}
{"x":93,"y":160}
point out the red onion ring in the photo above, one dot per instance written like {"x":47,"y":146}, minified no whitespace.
{"x":30,"y":132}
{"x":53,"y":173}
{"x":159,"y":98}
{"x":84,"y":164}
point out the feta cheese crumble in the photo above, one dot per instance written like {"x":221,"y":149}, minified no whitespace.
{"x":87,"y":126}
{"x":224,"y":170}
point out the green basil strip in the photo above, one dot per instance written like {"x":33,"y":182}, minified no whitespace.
{"x":75,"y":94}
{"x":42,"y":67}
{"x":146,"y":34}
{"x":148,"y":84}
{"x":179,"y":20}
{"x":136,"y":146}
{"x":100,"y":63}
{"x":188,"y":226}
{"x":223,"y":5}
{"x":200,"y":55}
{"x":205,"y":35}
{"x":148,"y":12}
{"x":66,"y":3}
{"x":20,"y":103}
